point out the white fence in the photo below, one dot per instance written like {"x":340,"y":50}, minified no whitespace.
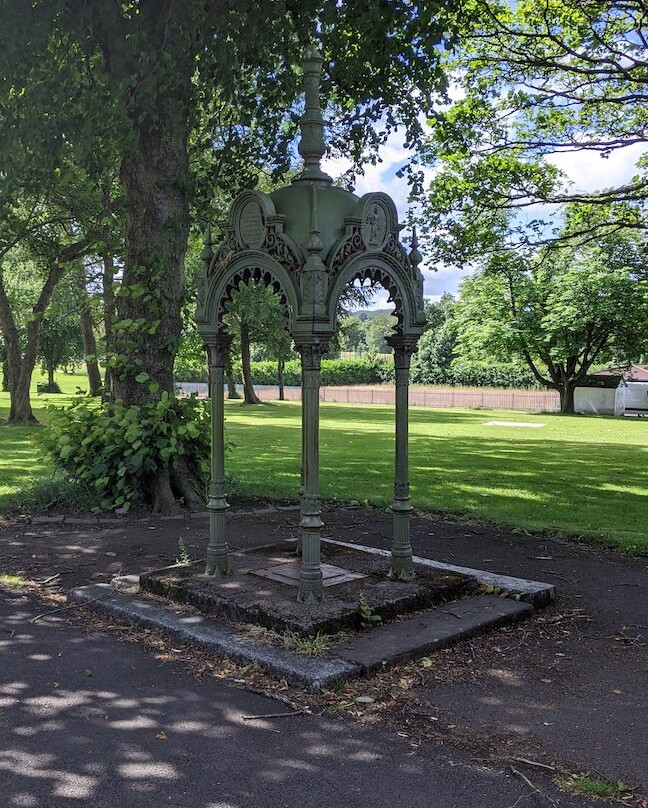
{"x":443,"y":397}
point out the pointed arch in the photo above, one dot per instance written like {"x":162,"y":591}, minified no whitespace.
{"x":383,"y":269}
{"x":247,"y":266}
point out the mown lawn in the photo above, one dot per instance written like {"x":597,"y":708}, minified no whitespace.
{"x":578,"y":476}
{"x":20,"y":464}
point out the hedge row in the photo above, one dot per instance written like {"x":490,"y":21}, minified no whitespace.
{"x":379,"y":371}
{"x":334,"y":372}
{"x":475,"y":374}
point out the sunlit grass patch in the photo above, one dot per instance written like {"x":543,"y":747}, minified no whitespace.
{"x":12,"y":581}
{"x":577,"y":476}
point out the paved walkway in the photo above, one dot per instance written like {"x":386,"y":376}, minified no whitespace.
{"x":87,"y":721}
{"x":571,"y":683}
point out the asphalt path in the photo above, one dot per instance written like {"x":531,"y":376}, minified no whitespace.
{"x":86,"y":720}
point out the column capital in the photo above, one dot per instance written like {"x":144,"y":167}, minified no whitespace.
{"x":312,"y":351}
{"x":403,"y":347}
{"x":217,"y":346}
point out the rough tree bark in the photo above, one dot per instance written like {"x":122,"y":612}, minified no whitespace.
{"x":108,"y":314}
{"x":21,"y":363}
{"x":153,"y":174}
{"x":88,"y":335}
{"x":249,"y":396}
{"x":567,"y":397}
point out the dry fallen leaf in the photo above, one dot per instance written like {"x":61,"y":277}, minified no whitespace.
{"x":161,"y":736}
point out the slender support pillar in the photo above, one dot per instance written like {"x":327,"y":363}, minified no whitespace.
{"x":217,"y":558}
{"x":401,"y":556}
{"x":302,"y":489}
{"x":310,"y":579}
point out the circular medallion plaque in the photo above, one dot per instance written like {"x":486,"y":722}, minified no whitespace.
{"x":251,"y":227}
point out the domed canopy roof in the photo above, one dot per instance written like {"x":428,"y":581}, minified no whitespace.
{"x":333,"y":206}
{"x":309,"y":240}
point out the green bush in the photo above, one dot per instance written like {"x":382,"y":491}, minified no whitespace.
{"x":113,"y":448}
{"x":190,"y":369}
{"x":474,"y":374}
{"x":46,"y":387}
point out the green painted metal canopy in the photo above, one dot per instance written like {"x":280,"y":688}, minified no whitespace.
{"x":309,"y":241}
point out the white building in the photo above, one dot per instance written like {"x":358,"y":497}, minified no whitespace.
{"x":616,"y":391}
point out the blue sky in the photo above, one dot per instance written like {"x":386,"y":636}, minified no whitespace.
{"x":587,"y":171}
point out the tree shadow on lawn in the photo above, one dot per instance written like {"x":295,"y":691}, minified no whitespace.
{"x":383,"y":413}
{"x":584,"y":487}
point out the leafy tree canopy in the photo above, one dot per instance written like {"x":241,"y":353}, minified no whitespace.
{"x":561,"y":312}
{"x":535,"y":79}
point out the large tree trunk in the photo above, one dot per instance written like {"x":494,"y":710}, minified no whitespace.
{"x":5,"y":376}
{"x":567,"y":397}
{"x":21,"y":366}
{"x":249,"y":396}
{"x":157,"y":228}
{"x":88,"y":337}
{"x":157,"y":93}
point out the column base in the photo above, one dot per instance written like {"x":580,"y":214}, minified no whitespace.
{"x":310,"y":592}
{"x":401,"y":569}
{"x":218,"y":567}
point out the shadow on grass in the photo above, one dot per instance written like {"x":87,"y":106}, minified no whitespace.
{"x":599,"y":490}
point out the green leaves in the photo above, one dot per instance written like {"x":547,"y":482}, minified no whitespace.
{"x":537,"y":82}
{"x":563,"y":309}
{"x":113,"y":448}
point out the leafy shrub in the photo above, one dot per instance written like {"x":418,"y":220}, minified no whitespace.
{"x":46,"y":387}
{"x":190,"y":369}
{"x":113,"y":448}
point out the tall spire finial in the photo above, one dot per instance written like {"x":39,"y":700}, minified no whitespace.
{"x":311,"y":146}
{"x":415,"y":256}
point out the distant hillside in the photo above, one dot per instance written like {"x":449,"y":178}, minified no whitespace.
{"x":369,"y":314}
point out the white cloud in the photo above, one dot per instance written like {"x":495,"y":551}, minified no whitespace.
{"x":586,"y":171}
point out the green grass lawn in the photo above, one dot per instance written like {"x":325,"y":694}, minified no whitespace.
{"x":578,"y":476}
{"x":20,"y":465}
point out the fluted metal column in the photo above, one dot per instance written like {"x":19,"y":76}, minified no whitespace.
{"x":311,"y":589}
{"x":217,"y":558}
{"x":401,"y":555}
